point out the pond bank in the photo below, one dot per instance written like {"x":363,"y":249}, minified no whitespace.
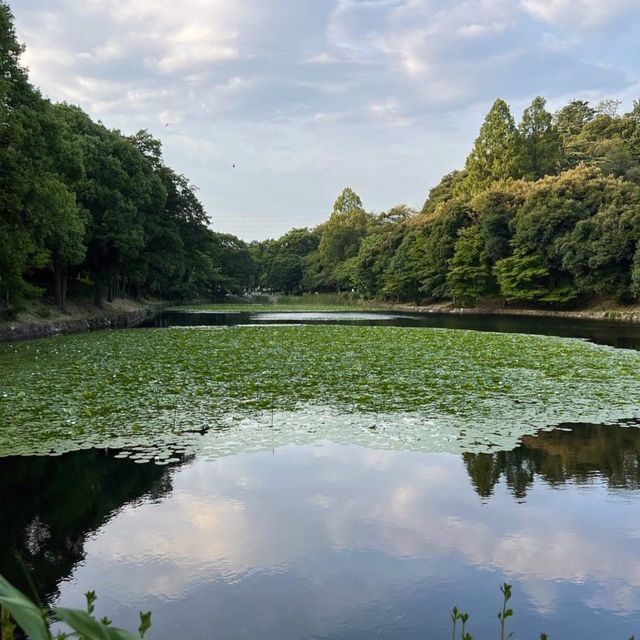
{"x":81,"y":316}
{"x":627,"y":315}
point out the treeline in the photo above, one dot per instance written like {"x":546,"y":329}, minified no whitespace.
{"x":81,"y":201}
{"x":545,"y":211}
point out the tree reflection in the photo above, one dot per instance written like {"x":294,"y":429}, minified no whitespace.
{"x":576,"y":453}
{"x":50,"y":505}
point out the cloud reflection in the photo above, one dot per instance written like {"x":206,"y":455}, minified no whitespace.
{"x":306,"y":516}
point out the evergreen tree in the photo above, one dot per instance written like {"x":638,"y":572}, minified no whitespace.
{"x":496,"y":153}
{"x":541,"y":145}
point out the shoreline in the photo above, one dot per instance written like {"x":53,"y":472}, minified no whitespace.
{"x":82,"y":317}
{"x":629,"y":316}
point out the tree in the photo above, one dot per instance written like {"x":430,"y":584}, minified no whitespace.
{"x":570,"y":121}
{"x":470,"y":275}
{"x":443,"y":191}
{"x":496,"y":152}
{"x":401,"y":278}
{"x":19,"y":249}
{"x":541,"y":144}
{"x":437,"y":246}
{"x":283,"y":263}
{"x":378,"y":248}
{"x":599,"y":251}
{"x":340,"y":239}
{"x":572,"y":118}
{"x":525,"y":277}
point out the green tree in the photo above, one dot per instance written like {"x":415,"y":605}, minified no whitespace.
{"x":437,"y":246}
{"x":340,"y":239}
{"x":470,"y":275}
{"x":541,"y":143}
{"x":401,"y":278}
{"x":496,"y":153}
{"x":283,"y":263}
{"x":599,"y":251}
{"x":524,"y":277}
{"x":378,"y":248}
{"x":443,"y":191}
{"x":570,"y":121}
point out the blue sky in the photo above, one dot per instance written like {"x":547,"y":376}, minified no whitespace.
{"x":309,"y":96}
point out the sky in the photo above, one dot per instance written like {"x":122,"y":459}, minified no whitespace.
{"x":307,"y":97}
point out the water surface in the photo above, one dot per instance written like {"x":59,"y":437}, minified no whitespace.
{"x":360,"y":493}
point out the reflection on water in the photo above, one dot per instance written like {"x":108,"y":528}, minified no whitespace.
{"x":342,"y":541}
{"x":621,"y":335}
{"x":49,"y":506}
{"x":575,"y":453}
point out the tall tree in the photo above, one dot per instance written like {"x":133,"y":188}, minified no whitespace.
{"x":541,"y":144}
{"x":496,"y":152}
{"x":340,"y":239}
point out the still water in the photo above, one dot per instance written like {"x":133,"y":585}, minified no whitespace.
{"x":620,"y":335}
{"x":329,"y":540}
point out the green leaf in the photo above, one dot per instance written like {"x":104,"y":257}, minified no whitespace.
{"x":145,"y":623}
{"x":91,"y":600}
{"x":26,"y":614}
{"x":88,"y":627}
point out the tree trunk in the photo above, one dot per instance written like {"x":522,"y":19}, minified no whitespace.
{"x":60,"y":278}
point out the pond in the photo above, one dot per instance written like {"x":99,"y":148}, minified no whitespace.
{"x":341,"y":476}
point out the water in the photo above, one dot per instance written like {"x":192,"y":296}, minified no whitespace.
{"x":620,"y":335}
{"x":327,"y":540}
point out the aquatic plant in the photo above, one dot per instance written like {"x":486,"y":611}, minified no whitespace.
{"x":155,"y":395}
{"x":17,"y":610}
{"x":503,"y":615}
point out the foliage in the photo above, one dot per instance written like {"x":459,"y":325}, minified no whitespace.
{"x":503,"y":615}
{"x":496,"y":154}
{"x":541,"y":142}
{"x":36,"y":622}
{"x":79,"y":199}
{"x":340,"y":240}
{"x":546,"y":210}
{"x":470,"y":275}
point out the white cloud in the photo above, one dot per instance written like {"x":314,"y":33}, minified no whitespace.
{"x":579,"y":13}
{"x":407,"y":75}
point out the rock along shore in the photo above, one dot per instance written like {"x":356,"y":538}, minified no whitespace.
{"x":14,"y":331}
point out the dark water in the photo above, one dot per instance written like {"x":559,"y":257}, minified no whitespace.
{"x":621,"y":335}
{"x":333,"y":541}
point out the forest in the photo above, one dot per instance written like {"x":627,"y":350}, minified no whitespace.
{"x":545,"y":211}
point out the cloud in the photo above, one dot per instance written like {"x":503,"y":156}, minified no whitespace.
{"x":353,"y":517}
{"x":580,"y":13}
{"x":245,"y":80}
{"x":456,"y":53}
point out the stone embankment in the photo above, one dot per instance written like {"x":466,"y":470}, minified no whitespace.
{"x":109,"y":319}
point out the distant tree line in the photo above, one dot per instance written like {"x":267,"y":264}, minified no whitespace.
{"x":546,"y":211}
{"x":80,"y":200}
